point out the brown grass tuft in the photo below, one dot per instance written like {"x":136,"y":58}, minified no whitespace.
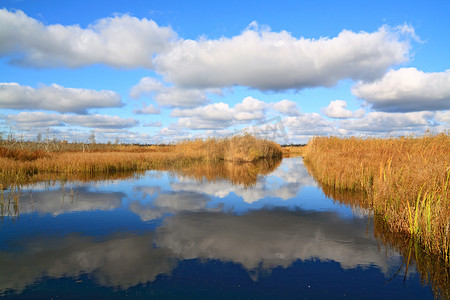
{"x":239,"y":148}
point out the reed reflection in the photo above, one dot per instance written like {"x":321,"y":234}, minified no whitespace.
{"x":434,"y":271}
{"x":243,"y":173}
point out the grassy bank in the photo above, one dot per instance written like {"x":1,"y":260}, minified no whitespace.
{"x":27,"y":161}
{"x":406,"y":180}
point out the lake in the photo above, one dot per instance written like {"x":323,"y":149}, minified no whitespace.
{"x":209,"y":232}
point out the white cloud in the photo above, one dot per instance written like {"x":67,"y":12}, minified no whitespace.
{"x":249,"y":109}
{"x":153,"y":124}
{"x":220,"y":115}
{"x":386,"y":122}
{"x":443,"y":116}
{"x":118,"y":41}
{"x":337,"y":109}
{"x":146,"y":86}
{"x":267,"y":60}
{"x":170,"y":132}
{"x":213,"y":116}
{"x":55,"y":98}
{"x":407,"y":89}
{"x":25,"y":120}
{"x":170,"y":96}
{"x":302,"y":128}
{"x":287,"y":107}
{"x":147,"y":110}
{"x":309,"y":124}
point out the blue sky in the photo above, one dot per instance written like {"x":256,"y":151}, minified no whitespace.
{"x":160,"y":71}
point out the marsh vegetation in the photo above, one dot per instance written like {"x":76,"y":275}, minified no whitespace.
{"x":405,"y":180}
{"x":23,"y":162}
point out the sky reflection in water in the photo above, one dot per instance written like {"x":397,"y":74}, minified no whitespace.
{"x":122,"y":233}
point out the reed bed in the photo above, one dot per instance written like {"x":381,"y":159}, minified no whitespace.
{"x":293,"y":151}
{"x":239,"y":148}
{"x":406,"y":180}
{"x":25,"y":162}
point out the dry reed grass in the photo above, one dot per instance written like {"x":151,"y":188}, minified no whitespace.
{"x":238,"y":148}
{"x":19,"y":164}
{"x":293,"y":151}
{"x":406,"y":180}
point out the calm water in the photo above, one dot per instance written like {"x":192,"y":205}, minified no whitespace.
{"x":166,"y":235}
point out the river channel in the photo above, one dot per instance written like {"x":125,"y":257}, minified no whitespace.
{"x":189,"y":235}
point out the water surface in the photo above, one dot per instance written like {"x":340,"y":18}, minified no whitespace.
{"x":191,"y":234}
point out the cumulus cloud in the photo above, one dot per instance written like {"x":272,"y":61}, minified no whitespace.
{"x":170,"y":132}
{"x":249,"y":109}
{"x":309,"y":124}
{"x":443,"y":116}
{"x":146,"y":86}
{"x":220,"y":115}
{"x":302,"y":128}
{"x":170,"y":96}
{"x":406,"y":90}
{"x":267,"y":60}
{"x":25,"y":120}
{"x":153,"y":124}
{"x":55,"y":98}
{"x":147,"y":110}
{"x":337,"y":109}
{"x":287,"y":107}
{"x":213,"y":116}
{"x":119,"y":41}
{"x":385,"y":122}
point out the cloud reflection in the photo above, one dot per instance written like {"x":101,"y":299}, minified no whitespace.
{"x":271,"y":238}
{"x":285,"y":183}
{"x":57,"y":202}
{"x":259,"y":241}
{"x":121,"y":261}
{"x":171,"y":203}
